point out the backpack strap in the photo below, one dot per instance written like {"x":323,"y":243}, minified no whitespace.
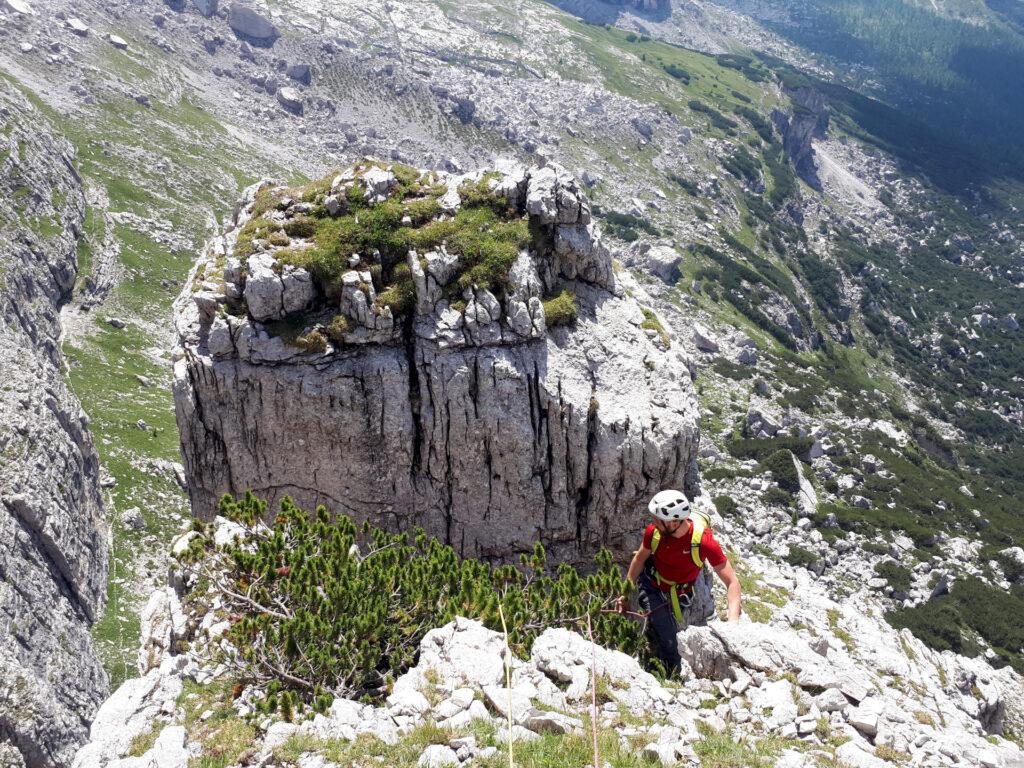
{"x":655,"y":541}
{"x":700,"y":522}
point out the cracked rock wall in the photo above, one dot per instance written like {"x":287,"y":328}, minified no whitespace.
{"x":53,"y":545}
{"x":481,"y":425}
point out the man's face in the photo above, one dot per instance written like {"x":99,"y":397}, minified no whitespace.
{"x":668,"y":527}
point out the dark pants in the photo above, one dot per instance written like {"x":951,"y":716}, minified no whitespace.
{"x":662,"y":627}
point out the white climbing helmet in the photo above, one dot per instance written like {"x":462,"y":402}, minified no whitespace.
{"x":669,"y":505}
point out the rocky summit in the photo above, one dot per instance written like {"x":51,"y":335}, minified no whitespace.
{"x":467,"y":360}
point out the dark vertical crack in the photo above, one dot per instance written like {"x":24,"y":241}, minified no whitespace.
{"x":447,"y":490}
{"x":474,"y":385}
{"x":414,"y":396}
{"x":583,"y":500}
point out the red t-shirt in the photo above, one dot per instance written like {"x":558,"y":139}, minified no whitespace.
{"x":672,"y":558}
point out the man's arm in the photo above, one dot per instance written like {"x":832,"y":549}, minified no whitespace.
{"x":732,"y":589}
{"x":636,"y":565}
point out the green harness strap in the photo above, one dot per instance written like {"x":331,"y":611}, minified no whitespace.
{"x":700,"y":522}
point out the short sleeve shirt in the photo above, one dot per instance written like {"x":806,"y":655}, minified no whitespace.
{"x":672,"y":558}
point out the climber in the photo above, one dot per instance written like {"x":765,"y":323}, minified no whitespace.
{"x":671,"y":595}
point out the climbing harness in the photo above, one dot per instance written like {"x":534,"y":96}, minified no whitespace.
{"x":700,"y":521}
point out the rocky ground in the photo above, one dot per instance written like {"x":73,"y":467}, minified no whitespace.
{"x":822,"y":683}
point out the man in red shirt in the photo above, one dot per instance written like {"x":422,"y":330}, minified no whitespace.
{"x":674,"y":580}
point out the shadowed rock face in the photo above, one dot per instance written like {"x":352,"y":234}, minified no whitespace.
{"x":479,"y":424}
{"x":808,"y":122}
{"x":53,"y":546}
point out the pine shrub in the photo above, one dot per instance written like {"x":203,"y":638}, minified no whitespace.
{"x":784,"y":472}
{"x":898,"y":576}
{"x":802,"y":557}
{"x":313,"y":618}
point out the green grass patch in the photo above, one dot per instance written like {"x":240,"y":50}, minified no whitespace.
{"x":560,"y":310}
{"x":721,"y":749}
{"x":653,"y":323}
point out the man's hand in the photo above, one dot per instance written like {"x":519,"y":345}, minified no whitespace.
{"x":732,"y":589}
{"x":621,"y":604}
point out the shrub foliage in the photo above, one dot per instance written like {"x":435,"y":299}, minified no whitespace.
{"x":560,"y":310}
{"x":322,"y":607}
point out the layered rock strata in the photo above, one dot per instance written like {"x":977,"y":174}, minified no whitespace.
{"x":466,"y":414}
{"x":53,"y":545}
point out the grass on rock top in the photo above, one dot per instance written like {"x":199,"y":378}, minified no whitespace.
{"x":485,"y":233}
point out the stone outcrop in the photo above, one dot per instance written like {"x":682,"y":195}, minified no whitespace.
{"x":470,"y":418}
{"x":53,"y":544}
{"x":808,"y":121}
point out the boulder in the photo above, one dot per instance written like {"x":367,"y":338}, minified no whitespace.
{"x":129,"y":712}
{"x":552,"y":722}
{"x":760,"y":424}
{"x":643,"y":128}
{"x":865,"y":717}
{"x":273,"y":291}
{"x":248,"y":24}
{"x":855,"y":755}
{"x":703,"y":340}
{"x":290,"y":99}
{"x":18,"y":6}
{"x":378,"y":182}
{"x":77,"y":26}
{"x":773,"y":704}
{"x":300,"y":72}
{"x":227,"y":532}
{"x":567,"y":657}
{"x":807,"y":497}
{"x":705,"y":653}
{"x":162,"y":623}
{"x":463,"y":653}
{"x":663,"y":262}
{"x":206,"y":7}
{"x":169,"y":750}
{"x":436,"y":756}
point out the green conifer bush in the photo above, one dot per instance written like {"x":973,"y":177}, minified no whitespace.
{"x":322,"y":607}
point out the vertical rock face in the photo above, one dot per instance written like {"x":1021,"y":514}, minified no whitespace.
{"x":808,"y":121}
{"x":53,"y":550}
{"x":467,"y":417}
